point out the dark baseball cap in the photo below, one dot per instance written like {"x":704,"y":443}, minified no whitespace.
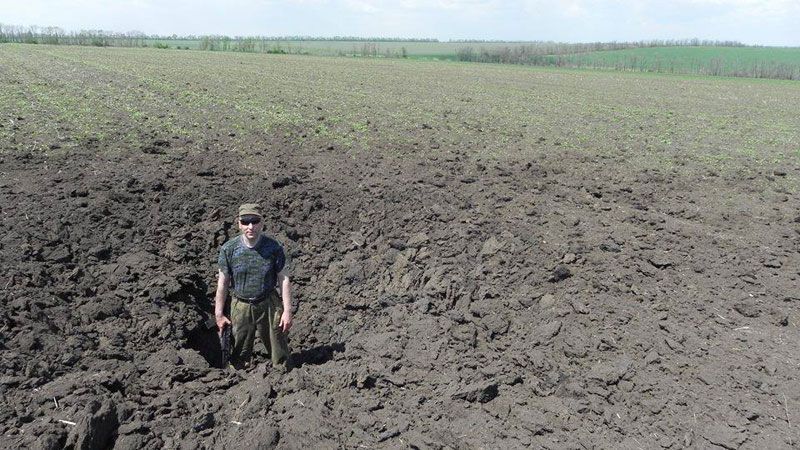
{"x":250,"y":209}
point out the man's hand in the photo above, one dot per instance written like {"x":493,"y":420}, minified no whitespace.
{"x":286,"y":321}
{"x":222,"y":321}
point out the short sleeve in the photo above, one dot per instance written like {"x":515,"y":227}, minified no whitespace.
{"x":223,"y":262}
{"x":280,"y":259}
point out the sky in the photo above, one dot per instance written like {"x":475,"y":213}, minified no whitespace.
{"x":758,"y":22}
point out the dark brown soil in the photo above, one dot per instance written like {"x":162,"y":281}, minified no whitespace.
{"x":444,"y":302}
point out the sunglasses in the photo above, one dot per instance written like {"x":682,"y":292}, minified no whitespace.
{"x":248,"y":221}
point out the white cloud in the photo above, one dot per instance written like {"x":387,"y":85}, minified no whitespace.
{"x":570,"y":9}
{"x":416,"y":5}
{"x":574,"y":8}
{"x":737,"y":7}
{"x":363,"y":6}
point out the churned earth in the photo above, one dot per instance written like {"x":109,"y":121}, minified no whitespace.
{"x":444,"y":300}
{"x":443,"y":303}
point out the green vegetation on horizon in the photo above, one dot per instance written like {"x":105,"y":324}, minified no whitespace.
{"x":758,"y":62}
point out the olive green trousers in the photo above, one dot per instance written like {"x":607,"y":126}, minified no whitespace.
{"x":263,"y":318}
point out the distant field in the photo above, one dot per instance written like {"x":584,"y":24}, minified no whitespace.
{"x":441,"y":50}
{"x":732,"y":61}
{"x":756,"y":62}
{"x":388,"y":105}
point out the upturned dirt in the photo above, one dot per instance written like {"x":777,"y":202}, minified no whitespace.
{"x":443,"y":302}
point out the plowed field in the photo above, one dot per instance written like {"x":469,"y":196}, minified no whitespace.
{"x":482,"y":256}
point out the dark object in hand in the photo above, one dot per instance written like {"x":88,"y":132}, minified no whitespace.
{"x":225,"y":345}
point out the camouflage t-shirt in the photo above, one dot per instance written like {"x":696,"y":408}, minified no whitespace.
{"x":254,"y":271}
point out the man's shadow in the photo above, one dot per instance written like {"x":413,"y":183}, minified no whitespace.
{"x":317,"y":355}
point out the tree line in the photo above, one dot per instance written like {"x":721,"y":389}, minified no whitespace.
{"x":554,"y":54}
{"x":58,"y":36}
{"x":612,"y":45}
{"x":529,"y":52}
{"x":103,"y":38}
{"x":262,"y":44}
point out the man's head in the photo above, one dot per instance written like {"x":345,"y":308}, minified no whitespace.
{"x":251,"y":222}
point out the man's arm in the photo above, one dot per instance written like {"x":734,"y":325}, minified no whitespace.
{"x":286,"y":295}
{"x":219,"y":301}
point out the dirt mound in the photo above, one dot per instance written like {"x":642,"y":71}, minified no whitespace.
{"x":443,"y":302}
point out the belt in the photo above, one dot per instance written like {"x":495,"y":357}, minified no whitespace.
{"x":251,"y":301}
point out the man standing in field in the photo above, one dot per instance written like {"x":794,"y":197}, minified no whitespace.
{"x":252,"y":265}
